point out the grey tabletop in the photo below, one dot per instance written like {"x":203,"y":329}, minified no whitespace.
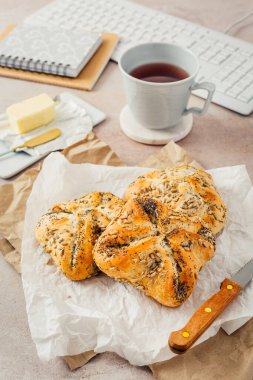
{"x":220,"y":138}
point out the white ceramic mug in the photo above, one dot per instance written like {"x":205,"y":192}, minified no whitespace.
{"x":161,"y":105}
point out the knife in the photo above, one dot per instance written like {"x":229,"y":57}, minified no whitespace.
{"x":181,"y":340}
{"x":38,"y":140}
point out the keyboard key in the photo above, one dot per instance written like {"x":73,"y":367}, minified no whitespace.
{"x":197,"y":53}
{"x":233,"y":78}
{"x":242,"y":85}
{"x":197,"y":35}
{"x":223,"y":87}
{"x":215,"y":50}
{"x":187,"y":32}
{"x":215,"y":81}
{"x":238,"y":60}
{"x":200,"y":46}
{"x":210,"y":41}
{"x":246,"y":53}
{"x":234,"y":91}
{"x":248,"y":78}
{"x":247,"y":66}
{"x":230,"y":48}
{"x":243,"y":98}
{"x":183,"y":40}
{"x":220,"y":44}
{"x":242,"y":70}
{"x":207,"y":55}
{"x":215,"y":60}
{"x":220,"y":75}
{"x":218,"y":59}
{"x":247,"y":94}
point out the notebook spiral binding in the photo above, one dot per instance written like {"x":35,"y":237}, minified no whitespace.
{"x":34,"y":65}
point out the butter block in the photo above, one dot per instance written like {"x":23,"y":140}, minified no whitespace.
{"x":31,"y":113}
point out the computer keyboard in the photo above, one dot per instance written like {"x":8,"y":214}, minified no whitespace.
{"x":224,"y":60}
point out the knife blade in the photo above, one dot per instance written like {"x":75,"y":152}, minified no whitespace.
{"x":244,"y":275}
{"x":181,"y":340}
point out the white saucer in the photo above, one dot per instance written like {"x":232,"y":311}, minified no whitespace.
{"x":137,"y":132}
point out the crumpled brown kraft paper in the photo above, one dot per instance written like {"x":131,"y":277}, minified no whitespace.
{"x":168,"y":156}
{"x":222,"y":357}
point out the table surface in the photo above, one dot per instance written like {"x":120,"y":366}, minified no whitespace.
{"x":220,"y":138}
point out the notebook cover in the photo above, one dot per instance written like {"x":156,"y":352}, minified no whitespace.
{"x":87,"y":77}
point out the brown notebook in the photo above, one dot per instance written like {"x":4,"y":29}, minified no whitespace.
{"x":87,"y":77}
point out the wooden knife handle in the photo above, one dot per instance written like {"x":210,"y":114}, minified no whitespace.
{"x":181,"y":340}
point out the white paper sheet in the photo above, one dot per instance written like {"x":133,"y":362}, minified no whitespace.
{"x":67,"y":318}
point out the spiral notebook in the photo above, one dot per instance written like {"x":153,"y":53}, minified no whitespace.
{"x":48,"y":50}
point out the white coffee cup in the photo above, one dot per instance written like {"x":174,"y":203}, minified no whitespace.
{"x":161,"y":105}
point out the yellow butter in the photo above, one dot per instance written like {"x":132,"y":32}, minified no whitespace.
{"x":31,"y":113}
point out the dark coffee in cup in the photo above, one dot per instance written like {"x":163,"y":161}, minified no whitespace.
{"x":159,"y":73}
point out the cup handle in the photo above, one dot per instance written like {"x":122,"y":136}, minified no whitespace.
{"x":210,"y":88}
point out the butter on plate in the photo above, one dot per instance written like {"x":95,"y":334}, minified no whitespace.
{"x":31,"y":113}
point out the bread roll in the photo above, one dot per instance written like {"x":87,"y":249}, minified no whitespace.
{"x":69,"y":231}
{"x":158,"y":254}
{"x":186,"y":191}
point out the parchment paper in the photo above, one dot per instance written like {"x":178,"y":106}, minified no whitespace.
{"x":102,"y":314}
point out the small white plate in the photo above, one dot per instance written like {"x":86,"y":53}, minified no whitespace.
{"x":15,"y":163}
{"x":139,"y":133}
